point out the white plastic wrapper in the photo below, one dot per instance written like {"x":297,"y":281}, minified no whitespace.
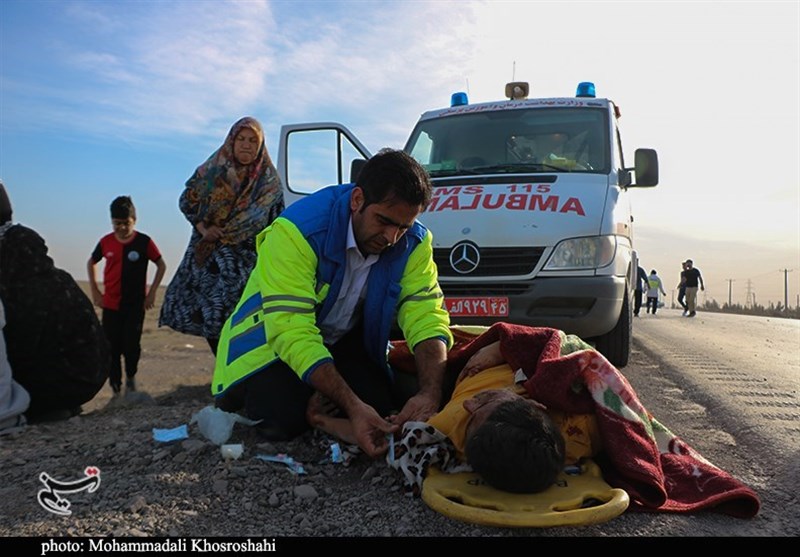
{"x":217,"y":425}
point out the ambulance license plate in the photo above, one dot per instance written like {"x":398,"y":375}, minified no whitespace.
{"x":483,"y":306}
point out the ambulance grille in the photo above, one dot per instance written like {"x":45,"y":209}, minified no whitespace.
{"x":505,"y":262}
{"x":455,"y":290}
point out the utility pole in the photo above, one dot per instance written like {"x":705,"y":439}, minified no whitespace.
{"x":750,"y":296}
{"x":730,"y":283}
{"x":786,"y":288}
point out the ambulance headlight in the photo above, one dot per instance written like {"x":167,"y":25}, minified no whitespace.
{"x":582,"y":253}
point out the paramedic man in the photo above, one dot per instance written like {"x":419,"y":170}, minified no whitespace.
{"x":332,"y":272}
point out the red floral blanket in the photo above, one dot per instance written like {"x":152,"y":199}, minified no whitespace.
{"x":659,"y":470}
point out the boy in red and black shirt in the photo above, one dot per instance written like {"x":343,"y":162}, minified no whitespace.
{"x":126,"y":296}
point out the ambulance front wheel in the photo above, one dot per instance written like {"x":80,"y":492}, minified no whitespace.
{"x":615,"y":345}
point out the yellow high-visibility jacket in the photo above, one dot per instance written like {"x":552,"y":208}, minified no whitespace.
{"x":296,"y":280}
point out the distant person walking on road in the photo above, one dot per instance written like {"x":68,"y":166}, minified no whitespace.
{"x":654,"y":287}
{"x":641,"y":281}
{"x":682,"y":289}
{"x":693,"y":278}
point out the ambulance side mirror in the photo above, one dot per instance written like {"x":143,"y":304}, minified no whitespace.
{"x":646,"y":167}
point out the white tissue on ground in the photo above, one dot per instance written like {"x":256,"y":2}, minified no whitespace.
{"x":217,"y":425}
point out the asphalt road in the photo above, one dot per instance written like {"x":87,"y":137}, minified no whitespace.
{"x":729,"y":385}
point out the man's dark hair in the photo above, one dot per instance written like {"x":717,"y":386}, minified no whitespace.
{"x":394,"y":174}
{"x":518,"y":448}
{"x":5,"y":205}
{"x":122,"y":208}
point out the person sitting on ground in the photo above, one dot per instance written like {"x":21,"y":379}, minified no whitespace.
{"x":334,"y":272}
{"x":14,"y":399}
{"x":56,"y":346}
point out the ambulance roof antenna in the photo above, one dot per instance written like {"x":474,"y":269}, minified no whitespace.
{"x":513,"y":70}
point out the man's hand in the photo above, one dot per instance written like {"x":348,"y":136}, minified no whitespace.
{"x":370,"y":430}
{"x":430,"y":356}
{"x":418,"y":408}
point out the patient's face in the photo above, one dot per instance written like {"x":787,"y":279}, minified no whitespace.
{"x":483,"y":404}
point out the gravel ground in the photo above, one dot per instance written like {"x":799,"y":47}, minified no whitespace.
{"x":185,"y":488}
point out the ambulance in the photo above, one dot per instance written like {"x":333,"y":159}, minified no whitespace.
{"x":530,"y":215}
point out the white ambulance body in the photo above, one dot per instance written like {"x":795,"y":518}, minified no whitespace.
{"x":530,"y":213}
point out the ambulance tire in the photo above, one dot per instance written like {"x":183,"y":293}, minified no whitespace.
{"x":615,"y":345}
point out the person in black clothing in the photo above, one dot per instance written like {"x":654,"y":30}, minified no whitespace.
{"x":641,"y":281}
{"x":56,"y":346}
{"x":693,"y":277}
{"x":682,"y":289}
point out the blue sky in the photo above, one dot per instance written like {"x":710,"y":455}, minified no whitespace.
{"x":103,"y":98}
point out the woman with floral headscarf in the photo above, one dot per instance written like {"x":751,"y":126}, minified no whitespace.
{"x":228,"y":200}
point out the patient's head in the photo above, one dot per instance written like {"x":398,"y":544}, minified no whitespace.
{"x":512,"y":443}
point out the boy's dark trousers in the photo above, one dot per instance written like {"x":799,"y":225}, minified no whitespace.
{"x":123,"y":330}
{"x":654,"y":302}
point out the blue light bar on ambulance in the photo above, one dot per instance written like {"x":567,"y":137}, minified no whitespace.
{"x":458,"y":99}
{"x":585,"y":89}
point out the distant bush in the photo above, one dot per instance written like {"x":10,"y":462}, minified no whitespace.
{"x":772,"y":310}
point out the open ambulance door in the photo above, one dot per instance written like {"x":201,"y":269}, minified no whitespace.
{"x":313,"y":156}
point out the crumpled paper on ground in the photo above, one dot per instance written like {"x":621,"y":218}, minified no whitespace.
{"x":217,"y":425}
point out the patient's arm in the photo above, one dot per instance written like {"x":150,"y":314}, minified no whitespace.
{"x":486,"y":357}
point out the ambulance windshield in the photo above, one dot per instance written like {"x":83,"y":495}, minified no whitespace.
{"x":515,"y":141}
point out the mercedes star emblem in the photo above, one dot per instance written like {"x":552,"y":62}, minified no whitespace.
{"x":464,"y":257}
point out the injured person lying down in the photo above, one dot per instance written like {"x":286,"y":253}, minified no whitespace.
{"x":579,"y":404}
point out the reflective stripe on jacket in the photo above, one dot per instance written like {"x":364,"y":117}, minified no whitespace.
{"x":296,"y":280}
